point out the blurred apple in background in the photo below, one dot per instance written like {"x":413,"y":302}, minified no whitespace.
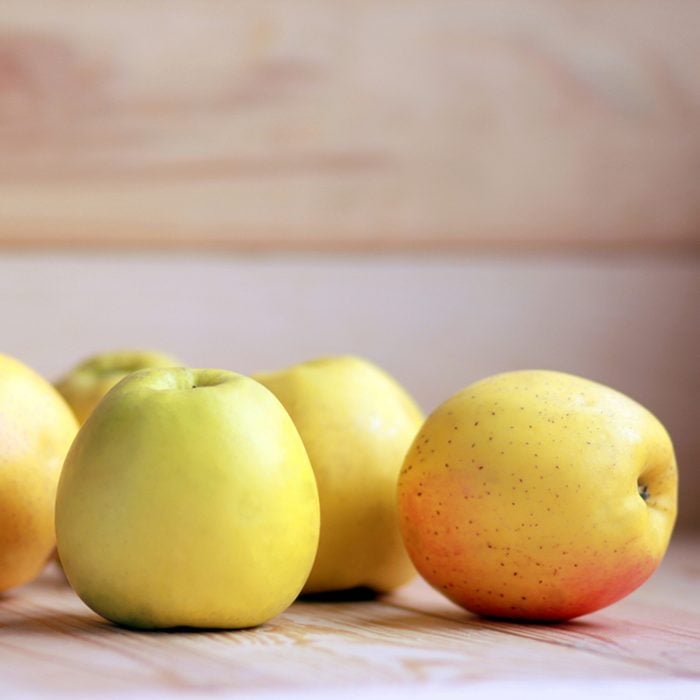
{"x":187,"y":499}
{"x":85,"y":384}
{"x":357,"y":424}
{"x":36,"y":430}
{"x":538,"y":495}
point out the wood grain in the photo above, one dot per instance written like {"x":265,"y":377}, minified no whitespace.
{"x":413,"y":640}
{"x":350,"y":124}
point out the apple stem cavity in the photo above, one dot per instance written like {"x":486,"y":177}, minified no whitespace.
{"x":643,"y":491}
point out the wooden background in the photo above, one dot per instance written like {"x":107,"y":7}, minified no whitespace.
{"x":450,"y":188}
{"x":350,"y":124}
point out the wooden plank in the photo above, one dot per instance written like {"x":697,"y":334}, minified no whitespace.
{"x":350,"y":124}
{"x":413,"y":640}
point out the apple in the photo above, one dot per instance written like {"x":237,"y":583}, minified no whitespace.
{"x":357,"y":424}
{"x":86,"y":383}
{"x":36,"y":430}
{"x":538,"y":495}
{"x":187,"y":500}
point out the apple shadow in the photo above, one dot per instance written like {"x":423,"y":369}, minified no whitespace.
{"x":568,"y":625}
{"x":347,"y":595}
{"x":515,"y":626}
{"x":90,"y":624}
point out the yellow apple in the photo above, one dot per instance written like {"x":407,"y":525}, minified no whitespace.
{"x":85,"y":384}
{"x":187,"y":499}
{"x":356,"y":423}
{"x":36,"y":430}
{"x":538,"y":495}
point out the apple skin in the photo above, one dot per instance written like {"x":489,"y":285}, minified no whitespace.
{"x":538,"y":495}
{"x":36,"y":431}
{"x":187,"y":500}
{"x":84,"y":385}
{"x":357,"y":424}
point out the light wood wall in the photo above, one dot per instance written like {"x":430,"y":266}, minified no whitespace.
{"x":370,"y":124}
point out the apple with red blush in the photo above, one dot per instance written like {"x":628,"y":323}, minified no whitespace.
{"x":538,"y":495}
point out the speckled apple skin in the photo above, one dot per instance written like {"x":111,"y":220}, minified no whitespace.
{"x":521,"y":496}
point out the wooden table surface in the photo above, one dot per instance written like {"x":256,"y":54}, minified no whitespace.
{"x":411,"y":643}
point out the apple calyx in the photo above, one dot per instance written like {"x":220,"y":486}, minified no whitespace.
{"x":643,"y":491}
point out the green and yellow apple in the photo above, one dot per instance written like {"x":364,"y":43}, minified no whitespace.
{"x":538,"y":495}
{"x":357,"y":424}
{"x":187,"y":499}
{"x":84,"y":385}
{"x":36,"y":430}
